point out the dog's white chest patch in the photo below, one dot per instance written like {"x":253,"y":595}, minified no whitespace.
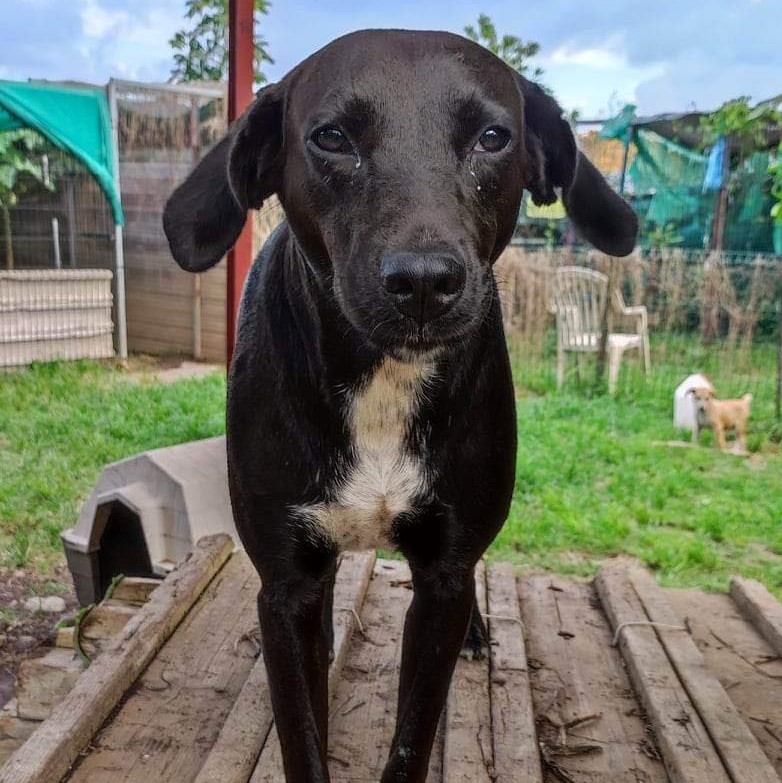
{"x":384,"y":477}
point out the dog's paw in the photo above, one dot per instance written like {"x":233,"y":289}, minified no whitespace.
{"x":476,"y":644}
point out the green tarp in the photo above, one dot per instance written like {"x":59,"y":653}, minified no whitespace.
{"x":74,"y":119}
{"x":666,"y":186}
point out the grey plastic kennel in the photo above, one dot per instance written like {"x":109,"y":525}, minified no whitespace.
{"x":145,"y":513}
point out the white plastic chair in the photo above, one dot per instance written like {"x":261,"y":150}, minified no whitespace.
{"x":578,"y":301}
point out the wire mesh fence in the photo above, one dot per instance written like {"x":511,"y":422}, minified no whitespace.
{"x":714,"y":313}
{"x":62,"y":222}
{"x":663,"y":169}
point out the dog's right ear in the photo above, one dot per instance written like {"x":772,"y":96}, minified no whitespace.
{"x":206,"y":213}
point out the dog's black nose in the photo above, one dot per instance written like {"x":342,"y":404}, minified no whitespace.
{"x":422,"y":285}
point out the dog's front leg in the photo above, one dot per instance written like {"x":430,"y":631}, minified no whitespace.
{"x":435,"y":629}
{"x":296,"y":649}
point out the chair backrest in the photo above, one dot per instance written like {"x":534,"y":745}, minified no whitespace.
{"x":578,"y":301}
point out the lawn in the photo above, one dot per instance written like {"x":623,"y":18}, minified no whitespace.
{"x":61,"y":423}
{"x":596,"y":476}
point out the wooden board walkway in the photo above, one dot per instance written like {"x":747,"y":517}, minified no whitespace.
{"x":614,"y":681}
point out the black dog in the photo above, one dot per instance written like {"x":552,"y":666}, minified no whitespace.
{"x":370,"y":400}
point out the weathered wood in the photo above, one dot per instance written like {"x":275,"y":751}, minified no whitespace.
{"x":737,"y":747}
{"x":687,"y":751}
{"x":760,"y":608}
{"x":55,"y":745}
{"x":135,"y":589}
{"x":363,"y":711}
{"x":515,"y":739}
{"x":101,"y":624}
{"x":238,"y":747}
{"x":741,"y":659}
{"x":179,"y":704}
{"x":576,"y":674}
{"x":468,"y":756}
{"x":42,"y":683}
{"x":270,"y":767}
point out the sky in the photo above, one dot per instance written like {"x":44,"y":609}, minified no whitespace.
{"x":596,"y":55}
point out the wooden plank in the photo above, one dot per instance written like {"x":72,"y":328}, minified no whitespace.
{"x":349,"y":750}
{"x":238,"y":747}
{"x":576,"y":674}
{"x":135,"y":589}
{"x":55,"y":745}
{"x":742,"y":660}
{"x":363,"y":711}
{"x":516,"y":755}
{"x":760,"y":608}
{"x":687,"y":751}
{"x":737,"y":747}
{"x":102,"y":623}
{"x":164,"y":731}
{"x":468,"y":755}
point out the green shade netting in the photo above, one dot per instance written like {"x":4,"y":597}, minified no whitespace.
{"x":75,"y":120}
{"x":666,"y":186}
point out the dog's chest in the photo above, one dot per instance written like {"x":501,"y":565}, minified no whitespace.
{"x":383,"y":477}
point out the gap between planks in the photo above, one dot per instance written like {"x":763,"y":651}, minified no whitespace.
{"x":54,"y":746}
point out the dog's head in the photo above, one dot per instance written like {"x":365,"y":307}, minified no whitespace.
{"x":701,"y":395}
{"x":400,"y":159}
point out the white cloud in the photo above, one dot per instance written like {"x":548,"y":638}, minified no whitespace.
{"x":97,"y":22}
{"x":596,"y":79}
{"x":609,"y":57}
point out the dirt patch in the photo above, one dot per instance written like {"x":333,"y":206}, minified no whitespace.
{"x":168,"y":369}
{"x":25,"y":633}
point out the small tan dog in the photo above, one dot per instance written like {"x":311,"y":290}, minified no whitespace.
{"x":721,"y":415}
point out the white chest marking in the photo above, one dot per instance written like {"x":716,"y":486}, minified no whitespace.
{"x":384,"y":477}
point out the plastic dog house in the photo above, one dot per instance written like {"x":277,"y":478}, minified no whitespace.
{"x":145,"y":513}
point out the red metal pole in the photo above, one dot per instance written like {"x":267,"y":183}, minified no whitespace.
{"x":241,"y":54}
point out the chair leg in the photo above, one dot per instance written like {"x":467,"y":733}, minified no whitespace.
{"x":647,"y":355}
{"x":614,"y":361}
{"x":560,"y":368}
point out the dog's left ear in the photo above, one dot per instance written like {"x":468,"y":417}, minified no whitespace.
{"x":604,"y":218}
{"x":206,"y":213}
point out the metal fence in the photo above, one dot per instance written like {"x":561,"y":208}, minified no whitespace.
{"x":717,"y":313}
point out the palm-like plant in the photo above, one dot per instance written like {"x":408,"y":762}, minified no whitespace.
{"x":16,"y":150}
{"x":201,"y":49}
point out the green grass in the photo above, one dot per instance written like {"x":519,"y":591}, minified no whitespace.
{"x":61,"y":423}
{"x":595,"y":475}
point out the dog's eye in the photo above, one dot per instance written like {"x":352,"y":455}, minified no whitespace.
{"x":493,"y":139}
{"x":331,"y":139}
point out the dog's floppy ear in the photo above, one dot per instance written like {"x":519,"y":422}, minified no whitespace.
{"x":205,"y":214}
{"x":601,"y":215}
